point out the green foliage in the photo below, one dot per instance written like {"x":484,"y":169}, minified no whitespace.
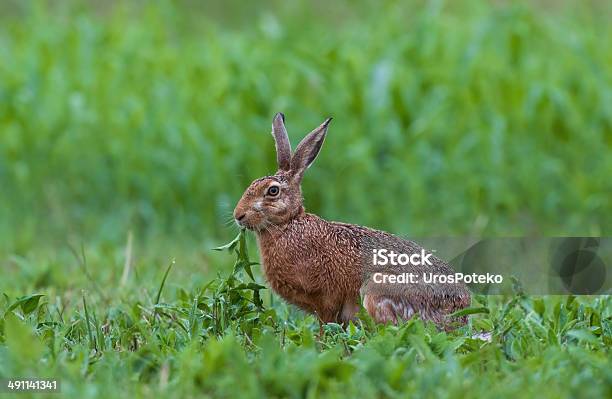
{"x":220,"y":340}
{"x":469,"y":117}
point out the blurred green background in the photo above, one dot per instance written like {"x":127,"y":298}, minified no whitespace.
{"x":450,"y":118}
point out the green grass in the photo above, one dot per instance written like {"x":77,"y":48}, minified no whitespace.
{"x":468,"y":118}
{"x":220,"y":340}
{"x":128,"y":133}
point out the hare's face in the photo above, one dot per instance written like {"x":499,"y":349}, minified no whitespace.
{"x":269,"y":201}
{"x":274,"y":200}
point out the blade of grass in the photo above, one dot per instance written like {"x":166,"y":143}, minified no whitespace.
{"x":128,"y":260}
{"x":163,"y":282}
{"x":232,"y":244}
{"x":92,"y":343}
{"x":99,"y":335}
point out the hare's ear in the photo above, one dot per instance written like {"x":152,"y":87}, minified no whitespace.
{"x":308,"y":149}
{"x":283,"y":147}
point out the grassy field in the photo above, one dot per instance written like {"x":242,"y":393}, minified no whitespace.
{"x":221,"y":340}
{"x":127,"y":134}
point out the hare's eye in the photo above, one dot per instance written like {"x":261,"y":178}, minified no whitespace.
{"x":273,"y":191}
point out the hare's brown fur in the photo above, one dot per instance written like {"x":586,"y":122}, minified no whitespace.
{"x":319,"y":265}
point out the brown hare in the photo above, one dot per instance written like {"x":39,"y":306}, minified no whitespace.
{"x":326,"y":267}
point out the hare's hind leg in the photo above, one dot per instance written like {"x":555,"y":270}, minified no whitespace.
{"x":388,"y":309}
{"x":350,"y":308}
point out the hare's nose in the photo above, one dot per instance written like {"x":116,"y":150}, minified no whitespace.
{"x":240,"y":217}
